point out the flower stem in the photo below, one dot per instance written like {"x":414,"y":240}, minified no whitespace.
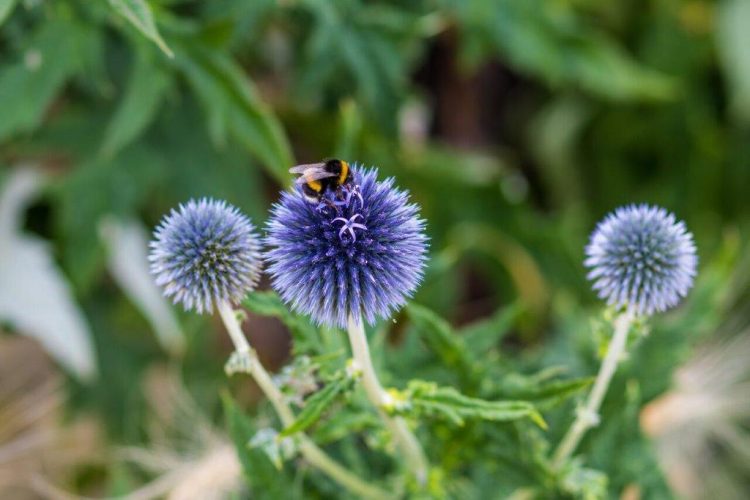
{"x":245,"y":359}
{"x":588,"y":416}
{"x":403,"y":436}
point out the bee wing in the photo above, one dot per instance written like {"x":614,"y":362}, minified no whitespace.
{"x":298,"y":169}
{"x":313,"y":175}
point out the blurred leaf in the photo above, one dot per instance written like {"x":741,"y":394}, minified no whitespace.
{"x":268,"y":303}
{"x":554,"y":136}
{"x":28,"y":87}
{"x":517,"y":260}
{"x":265,"y":480}
{"x":98,"y":187}
{"x":349,"y":129}
{"x":346,"y":423}
{"x":127,"y":245}
{"x":485,"y":334}
{"x":551,"y":41}
{"x":440,"y":337}
{"x":319,"y":402}
{"x":733,"y":40}
{"x":147,"y":86}
{"x":232,"y":106}
{"x":34,"y":295}
{"x":586,"y":484}
{"x":431,"y":399}
{"x":358,"y":49}
{"x":6,"y":7}
{"x":139,"y":14}
{"x":516,"y":386}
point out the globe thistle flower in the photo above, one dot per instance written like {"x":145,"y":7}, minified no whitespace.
{"x":205,"y":253}
{"x":360,"y":251}
{"x":643,"y":258}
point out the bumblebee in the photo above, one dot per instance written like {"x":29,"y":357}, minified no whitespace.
{"x":318,"y":178}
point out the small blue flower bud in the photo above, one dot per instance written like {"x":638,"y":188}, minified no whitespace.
{"x":205,"y":253}
{"x":643,"y":258}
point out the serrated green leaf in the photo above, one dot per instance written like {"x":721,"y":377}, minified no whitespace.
{"x":516,"y":386}
{"x":139,"y":14}
{"x":138,"y":107}
{"x":6,"y":7}
{"x":233,"y":107}
{"x":318,"y":403}
{"x":433,"y":399}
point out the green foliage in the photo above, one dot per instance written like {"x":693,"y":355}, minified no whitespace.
{"x":263,"y":477}
{"x":515,"y":125}
{"x":147,"y":87}
{"x":28,"y":86}
{"x":6,"y":7}
{"x":318,"y":403}
{"x":139,"y":14}
{"x":430,"y":399}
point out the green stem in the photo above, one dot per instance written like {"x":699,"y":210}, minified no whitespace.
{"x":249,"y":362}
{"x":588,"y":416}
{"x":403,"y":436}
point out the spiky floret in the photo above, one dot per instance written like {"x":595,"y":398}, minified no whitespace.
{"x":360,"y":251}
{"x":204,"y":253}
{"x":643,"y":258}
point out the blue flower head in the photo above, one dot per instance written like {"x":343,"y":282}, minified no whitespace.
{"x":643,"y":258}
{"x":204,"y":253}
{"x":359,"y":251}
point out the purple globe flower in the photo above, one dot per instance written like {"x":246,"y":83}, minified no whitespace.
{"x":360,"y":251}
{"x":205,"y":253}
{"x":643,"y":258}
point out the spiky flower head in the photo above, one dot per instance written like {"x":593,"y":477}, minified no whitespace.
{"x":204,"y":253}
{"x":359,"y":251}
{"x":643,"y":258}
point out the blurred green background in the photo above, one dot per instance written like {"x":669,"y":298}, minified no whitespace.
{"x":515,"y":124}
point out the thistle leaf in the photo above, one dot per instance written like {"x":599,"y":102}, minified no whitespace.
{"x":139,"y":14}
{"x":318,"y":403}
{"x":448,"y":402}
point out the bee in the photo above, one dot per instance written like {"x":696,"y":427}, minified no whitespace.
{"x":318,"y":178}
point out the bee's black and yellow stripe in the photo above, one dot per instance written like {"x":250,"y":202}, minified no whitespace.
{"x":344,"y":172}
{"x":314,"y":188}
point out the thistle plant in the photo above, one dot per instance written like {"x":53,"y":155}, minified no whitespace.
{"x":205,"y":255}
{"x":641,"y":260}
{"x":357,"y":255}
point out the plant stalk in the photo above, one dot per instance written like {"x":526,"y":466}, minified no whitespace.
{"x":312,"y":453}
{"x":402,"y":435}
{"x":588,"y":416}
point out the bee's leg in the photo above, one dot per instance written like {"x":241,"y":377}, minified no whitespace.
{"x":326,"y":203}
